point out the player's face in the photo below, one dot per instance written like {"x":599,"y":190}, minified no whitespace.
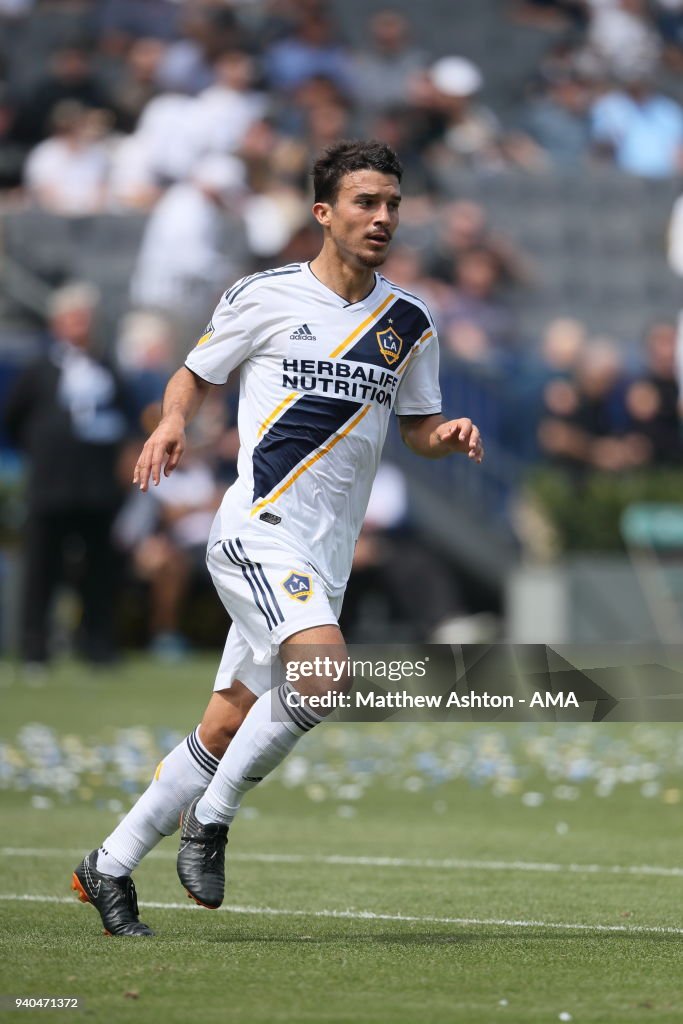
{"x":364,"y":217}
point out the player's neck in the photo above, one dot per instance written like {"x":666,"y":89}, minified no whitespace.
{"x":349,"y":282}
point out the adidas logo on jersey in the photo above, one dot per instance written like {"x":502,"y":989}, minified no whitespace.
{"x":302,"y":333}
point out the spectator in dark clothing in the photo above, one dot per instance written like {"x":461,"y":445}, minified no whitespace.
{"x":461,"y":130}
{"x":137,"y":82}
{"x":70,"y":78}
{"x":652,"y":399}
{"x":12,"y":152}
{"x":553,"y":14}
{"x":584,"y":424}
{"x":669,"y":21}
{"x":68,"y":414}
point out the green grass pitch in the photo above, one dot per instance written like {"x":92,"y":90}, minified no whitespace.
{"x":387,"y":874}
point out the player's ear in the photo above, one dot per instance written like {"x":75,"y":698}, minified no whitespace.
{"x":322,"y":213}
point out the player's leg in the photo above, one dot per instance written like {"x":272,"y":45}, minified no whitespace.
{"x":272,"y":729}
{"x":103,"y":876}
{"x":182,"y":775}
{"x":272,"y":596}
{"x":275,"y":725}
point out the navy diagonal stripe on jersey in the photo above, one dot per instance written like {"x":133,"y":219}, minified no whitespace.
{"x":409,"y":322}
{"x":305,"y":426}
{"x":270,"y":622}
{"x":259,"y":569}
{"x":231,"y":296}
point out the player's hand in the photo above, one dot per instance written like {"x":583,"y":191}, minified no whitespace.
{"x":163,"y":449}
{"x":459,"y":436}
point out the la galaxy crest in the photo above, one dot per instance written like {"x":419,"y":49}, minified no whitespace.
{"x":390,"y":345}
{"x":299,"y":586}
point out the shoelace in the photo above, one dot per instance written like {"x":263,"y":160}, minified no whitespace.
{"x":212,"y":849}
{"x":211,"y":845}
{"x":132,"y":896}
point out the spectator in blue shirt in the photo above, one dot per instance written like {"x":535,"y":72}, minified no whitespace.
{"x":312,"y":50}
{"x":642,"y":129}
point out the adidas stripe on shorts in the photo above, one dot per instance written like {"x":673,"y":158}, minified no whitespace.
{"x":270,"y":593}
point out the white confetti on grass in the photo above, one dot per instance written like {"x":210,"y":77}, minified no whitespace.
{"x":534,"y":763}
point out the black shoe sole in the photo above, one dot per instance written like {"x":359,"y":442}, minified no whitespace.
{"x":207,"y":906}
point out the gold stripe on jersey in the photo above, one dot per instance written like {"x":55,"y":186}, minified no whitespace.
{"x":278,"y":409}
{"x":340,"y":348}
{"x":361,"y":327}
{"x":327,"y":447}
{"x":425,"y":337}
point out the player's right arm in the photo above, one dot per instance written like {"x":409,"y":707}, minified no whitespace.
{"x":184,"y":394}
{"x":231,"y":336}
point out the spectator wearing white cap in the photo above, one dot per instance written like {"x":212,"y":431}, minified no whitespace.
{"x":468,"y":131}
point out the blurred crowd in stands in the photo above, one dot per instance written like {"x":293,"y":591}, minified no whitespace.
{"x":205,"y":115}
{"x":143,"y":90}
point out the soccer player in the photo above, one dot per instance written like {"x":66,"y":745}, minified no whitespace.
{"x":326,"y":350}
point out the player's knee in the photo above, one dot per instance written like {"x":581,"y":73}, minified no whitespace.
{"x":223,"y":717}
{"x":320,"y":666}
{"x":216,"y":735}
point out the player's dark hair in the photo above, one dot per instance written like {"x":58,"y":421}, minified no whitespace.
{"x":346,"y":156}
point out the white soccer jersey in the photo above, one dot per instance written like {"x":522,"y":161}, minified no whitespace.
{"x":318,"y":379}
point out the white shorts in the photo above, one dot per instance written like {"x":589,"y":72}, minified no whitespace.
{"x":270,"y":593}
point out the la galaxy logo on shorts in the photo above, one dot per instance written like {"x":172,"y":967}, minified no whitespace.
{"x":390,"y":344}
{"x":298,"y":585}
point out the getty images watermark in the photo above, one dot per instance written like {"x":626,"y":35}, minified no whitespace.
{"x":501,"y":682}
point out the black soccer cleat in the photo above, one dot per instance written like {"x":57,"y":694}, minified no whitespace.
{"x":114,"y":898}
{"x":201,"y":859}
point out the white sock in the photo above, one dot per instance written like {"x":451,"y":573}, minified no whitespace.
{"x":268,"y":733}
{"x":180,"y":777}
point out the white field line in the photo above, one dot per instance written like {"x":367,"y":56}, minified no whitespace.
{"x":370,"y":915}
{"x":451,"y":864}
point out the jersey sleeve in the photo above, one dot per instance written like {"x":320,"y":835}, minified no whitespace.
{"x":230,"y":338}
{"x":419,"y":393}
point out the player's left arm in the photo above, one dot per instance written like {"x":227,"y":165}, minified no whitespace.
{"x":434,"y":436}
